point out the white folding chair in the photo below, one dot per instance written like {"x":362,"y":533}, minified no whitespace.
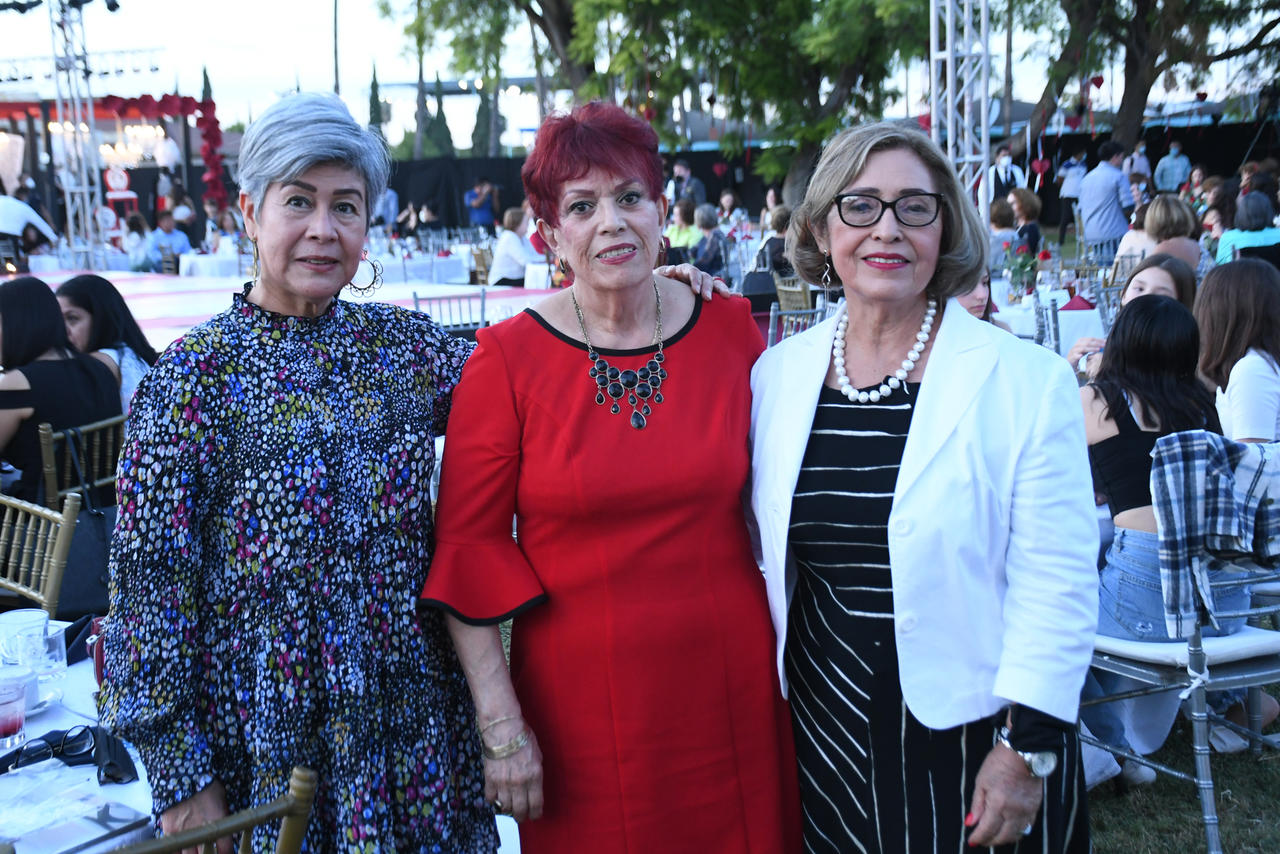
{"x":460,"y":315}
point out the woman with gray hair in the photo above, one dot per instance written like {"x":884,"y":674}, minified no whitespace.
{"x":275,"y":528}
{"x":926,"y":522}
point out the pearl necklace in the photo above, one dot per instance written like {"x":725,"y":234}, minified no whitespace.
{"x":899,"y":376}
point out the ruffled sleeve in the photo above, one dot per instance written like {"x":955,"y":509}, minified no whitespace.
{"x":478,"y":572}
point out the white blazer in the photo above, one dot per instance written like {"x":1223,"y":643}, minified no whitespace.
{"x":993,"y":537}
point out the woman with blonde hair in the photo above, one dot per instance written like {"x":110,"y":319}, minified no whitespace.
{"x":927,"y":526}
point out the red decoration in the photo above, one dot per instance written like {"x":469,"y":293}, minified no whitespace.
{"x":720,"y":169}
{"x":187,"y":105}
{"x":925,"y":120}
{"x":1096,"y":80}
{"x":1202,"y":96}
{"x":113,"y":103}
{"x":148,"y":107}
{"x":1073,"y":122}
{"x":649,"y":113}
{"x":1040,"y":166}
{"x":169,"y":104}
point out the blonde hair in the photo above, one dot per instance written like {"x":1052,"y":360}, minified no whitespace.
{"x":1169,"y":216}
{"x":962,"y":254}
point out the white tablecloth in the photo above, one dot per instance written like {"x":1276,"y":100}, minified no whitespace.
{"x":78,"y":707}
{"x":1072,"y":325}
{"x":422,"y":268}
{"x":52,"y":263}
{"x":537,"y":276}
{"x":218,"y":266}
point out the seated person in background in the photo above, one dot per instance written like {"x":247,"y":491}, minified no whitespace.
{"x":1253,"y":226}
{"x":1026,"y":211}
{"x":773,"y":252}
{"x":99,"y":323}
{"x":166,"y":237}
{"x":772,"y":200}
{"x":978,"y":302}
{"x":135,"y":242}
{"x":1003,"y":231}
{"x":226,"y":238}
{"x":1134,"y":246}
{"x":513,"y":251}
{"x":1239,"y":315}
{"x":1147,"y":387}
{"x":34,"y":241}
{"x":712,"y":250}
{"x":45,"y":380}
{"x":731,"y":213}
{"x":1173,"y":224}
{"x":1156,"y":274}
{"x":682,"y":233}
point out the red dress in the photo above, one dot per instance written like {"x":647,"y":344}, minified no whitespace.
{"x":642,"y":652}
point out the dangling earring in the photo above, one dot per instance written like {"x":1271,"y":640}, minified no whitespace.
{"x":826,"y":275}
{"x":662,"y":253}
{"x":255,"y":262}
{"x":563,"y":266}
{"x":364,"y":290}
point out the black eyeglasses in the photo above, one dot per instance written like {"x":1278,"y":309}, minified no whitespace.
{"x":914,"y":210}
{"x":77,"y":741}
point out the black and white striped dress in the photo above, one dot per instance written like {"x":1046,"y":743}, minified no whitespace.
{"x":872,"y":777}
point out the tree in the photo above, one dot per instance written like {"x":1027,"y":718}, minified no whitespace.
{"x":420,"y":38}
{"x":439,"y":137}
{"x":1165,"y":37}
{"x":799,"y":68}
{"x":556,"y":20}
{"x":375,"y":106}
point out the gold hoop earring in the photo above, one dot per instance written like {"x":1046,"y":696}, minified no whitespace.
{"x":374,"y":283}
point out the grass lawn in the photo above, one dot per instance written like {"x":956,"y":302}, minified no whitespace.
{"x":1165,"y":816}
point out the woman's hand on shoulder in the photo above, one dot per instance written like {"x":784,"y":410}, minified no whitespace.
{"x":208,"y":804}
{"x":699,"y":282}
{"x":1006,"y":799}
{"x":513,"y":784}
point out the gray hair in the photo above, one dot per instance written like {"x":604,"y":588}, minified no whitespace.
{"x":305,"y":130}
{"x":704,"y":216}
{"x":962,"y":253}
{"x":1254,"y":213}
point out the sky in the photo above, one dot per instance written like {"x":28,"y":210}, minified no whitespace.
{"x":256,"y":50}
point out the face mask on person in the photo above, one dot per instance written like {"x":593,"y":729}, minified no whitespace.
{"x":1004,"y":160}
{"x":1142,"y":149}
{"x":30,"y":183}
{"x":1175,"y":150}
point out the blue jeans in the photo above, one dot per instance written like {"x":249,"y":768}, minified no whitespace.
{"x":1131,"y":606}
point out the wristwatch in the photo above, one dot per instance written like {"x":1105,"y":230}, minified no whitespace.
{"x":1041,"y":763}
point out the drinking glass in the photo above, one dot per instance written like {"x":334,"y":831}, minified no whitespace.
{"x":13,"y":625}
{"x":13,"y":706}
{"x":44,"y":650}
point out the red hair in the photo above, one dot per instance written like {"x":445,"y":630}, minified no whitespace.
{"x":595,"y":135}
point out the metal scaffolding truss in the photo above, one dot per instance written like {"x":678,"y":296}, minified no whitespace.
{"x":79,"y":172}
{"x":959,"y":101}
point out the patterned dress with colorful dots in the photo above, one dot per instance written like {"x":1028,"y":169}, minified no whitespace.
{"x":274,"y":531}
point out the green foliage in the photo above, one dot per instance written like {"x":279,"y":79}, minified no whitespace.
{"x":375,"y":105}
{"x":206,"y":90}
{"x":439,"y":141}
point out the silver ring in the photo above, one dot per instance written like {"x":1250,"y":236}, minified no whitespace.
{"x":1027,"y":830}
{"x":497,"y":806}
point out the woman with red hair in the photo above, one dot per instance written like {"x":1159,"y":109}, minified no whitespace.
{"x":641,"y":710}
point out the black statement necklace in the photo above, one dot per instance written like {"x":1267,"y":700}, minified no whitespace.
{"x":639,"y":387}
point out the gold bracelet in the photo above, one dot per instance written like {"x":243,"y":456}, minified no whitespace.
{"x":493,"y":723}
{"x":511,"y":748}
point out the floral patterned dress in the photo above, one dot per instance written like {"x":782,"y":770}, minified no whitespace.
{"x":274,"y":531}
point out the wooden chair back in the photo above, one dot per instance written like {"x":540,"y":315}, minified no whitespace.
{"x":293,"y":809}
{"x":91,"y":450}
{"x":168,"y":263}
{"x":34,"y":543}
{"x":482,"y":260}
{"x":793,"y":294}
